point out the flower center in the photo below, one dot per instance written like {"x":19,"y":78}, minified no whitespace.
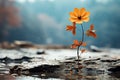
{"x":79,"y":18}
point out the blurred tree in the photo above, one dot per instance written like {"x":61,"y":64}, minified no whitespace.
{"x":8,"y":18}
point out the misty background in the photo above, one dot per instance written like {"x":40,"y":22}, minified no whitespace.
{"x":44,"y":21}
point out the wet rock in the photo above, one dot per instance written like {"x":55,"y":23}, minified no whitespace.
{"x":117,"y":63}
{"x":69,"y":62}
{"x":115,"y":74}
{"x":95,"y":49}
{"x":89,"y":66}
{"x":44,"y":69}
{"x":16,"y":69}
{"x":93,"y":71}
{"x":42,"y":52}
{"x":77,"y":60}
{"x":105,"y":56}
{"x":90,"y":63}
{"x":92,"y":59}
{"x":4,"y":70}
{"x":8,"y":60}
{"x":115,"y":71}
{"x":109,"y":60}
{"x":24,"y":44}
{"x":24,"y":58}
{"x":90,"y":78}
{"x":71,"y":58}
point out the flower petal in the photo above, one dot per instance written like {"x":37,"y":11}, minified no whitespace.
{"x":69,"y":28}
{"x":73,"y":46}
{"x":92,"y":34}
{"x":83,"y":50}
{"x":73,"y":19}
{"x":88,"y":32}
{"x":79,"y":15}
{"x":86,"y":14}
{"x":84,"y":43}
{"x":74,"y":31}
{"x":91,"y":26}
{"x":72,"y":14}
{"x":85,"y":19}
{"x":76,"y":11}
{"x":76,"y":42}
{"x":79,"y":21}
{"x":82,"y":11}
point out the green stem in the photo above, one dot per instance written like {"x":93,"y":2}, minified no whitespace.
{"x":81,"y":43}
{"x":78,"y":53}
{"x":82,"y":33}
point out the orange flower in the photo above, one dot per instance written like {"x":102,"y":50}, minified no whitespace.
{"x":91,"y":31}
{"x":72,"y":28}
{"x":79,"y":15}
{"x":76,"y":43}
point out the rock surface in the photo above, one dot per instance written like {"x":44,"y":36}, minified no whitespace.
{"x":59,"y":63}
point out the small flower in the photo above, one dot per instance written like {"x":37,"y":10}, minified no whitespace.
{"x":76,"y":43}
{"x":91,"y":31}
{"x":72,"y":28}
{"x":79,"y":15}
